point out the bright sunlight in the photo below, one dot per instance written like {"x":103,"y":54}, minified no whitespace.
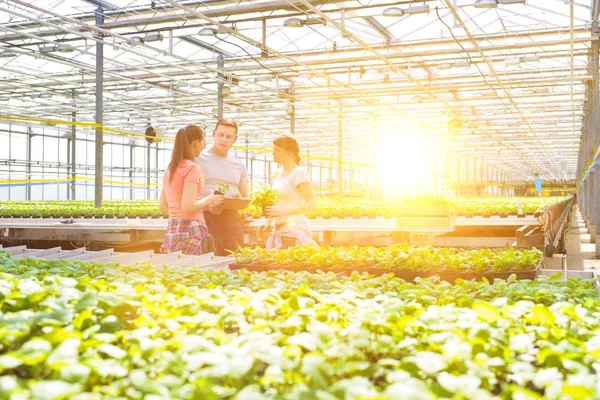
{"x":405,"y":160}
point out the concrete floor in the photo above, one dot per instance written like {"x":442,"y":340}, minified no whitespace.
{"x":580,"y":251}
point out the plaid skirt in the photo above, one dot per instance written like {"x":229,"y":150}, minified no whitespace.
{"x":185,"y":235}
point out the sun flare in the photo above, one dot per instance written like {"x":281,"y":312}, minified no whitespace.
{"x":406,"y":160}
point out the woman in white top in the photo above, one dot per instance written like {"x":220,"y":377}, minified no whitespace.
{"x":296,"y":197}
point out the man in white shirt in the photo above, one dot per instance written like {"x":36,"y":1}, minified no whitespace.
{"x":220,"y":166}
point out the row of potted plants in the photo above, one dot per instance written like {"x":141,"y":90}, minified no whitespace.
{"x":403,"y":260}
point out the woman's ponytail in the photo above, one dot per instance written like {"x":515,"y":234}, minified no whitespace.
{"x":182,"y":149}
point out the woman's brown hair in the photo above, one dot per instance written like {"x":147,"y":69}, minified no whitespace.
{"x":288,"y":143}
{"x":182,"y":149}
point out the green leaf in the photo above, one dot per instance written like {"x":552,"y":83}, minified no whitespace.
{"x":519,"y":393}
{"x":306,"y":340}
{"x":66,"y":351}
{"x":53,"y":390}
{"x":542,"y":315}
{"x":578,"y":392}
{"x":411,"y":389}
{"x":106,"y":368}
{"x":75,"y":373}
{"x":8,"y":362}
{"x":8,"y":383}
{"x":486,"y":311}
{"x":112,"y":351}
{"x":429,"y":362}
{"x":86,"y":302}
{"x":250,"y":392}
{"x":357,"y":387}
{"x":312,"y":368}
{"x":34,"y":352}
{"x":140,"y":380}
{"x":466,"y":384}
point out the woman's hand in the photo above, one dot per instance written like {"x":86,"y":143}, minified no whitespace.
{"x":214,"y":200}
{"x":264,"y":231}
{"x":275,"y":211}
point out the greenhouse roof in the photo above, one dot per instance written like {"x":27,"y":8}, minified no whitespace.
{"x":509,"y":78}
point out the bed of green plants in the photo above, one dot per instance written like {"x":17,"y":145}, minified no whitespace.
{"x":72,"y":330}
{"x":326,"y":207}
{"x":502,"y":205}
{"x":78,"y":209}
{"x":395,"y":257}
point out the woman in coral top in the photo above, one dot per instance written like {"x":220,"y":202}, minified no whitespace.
{"x":182,"y":185}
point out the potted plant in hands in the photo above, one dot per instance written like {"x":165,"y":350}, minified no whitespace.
{"x":265,"y":197}
{"x":222,"y":189}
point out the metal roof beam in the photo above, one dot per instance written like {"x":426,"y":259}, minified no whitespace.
{"x":387,"y":35}
{"x":176,"y":27}
{"x":247,"y":8}
{"x":404,"y":55}
{"x":103,"y":4}
{"x":206,"y":46}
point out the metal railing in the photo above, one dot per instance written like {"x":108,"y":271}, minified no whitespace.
{"x":554,"y":219}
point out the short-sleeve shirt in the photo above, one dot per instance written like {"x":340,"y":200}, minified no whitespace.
{"x":186,"y":171}
{"x":289,"y":194}
{"x":229,"y":170}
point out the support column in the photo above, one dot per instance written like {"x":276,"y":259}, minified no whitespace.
{"x":467,"y":174}
{"x":148,"y":173}
{"x":375,"y":145}
{"x":308,"y":166}
{"x":499,"y":182}
{"x":330,"y":185}
{"x":292,"y":110}
{"x":99,"y":110}
{"x":220,"y":85}
{"x":350,"y":175}
{"x":68,"y":167}
{"x":9,"y":156}
{"x":587,"y":211}
{"x":247,"y":157}
{"x":269,"y":175}
{"x":264,"y":53}
{"x":474,"y":176}
{"x":457,"y":176}
{"x":481,"y":177}
{"x":251,"y":173}
{"x":448,"y":179}
{"x":488,"y":180}
{"x":496,"y":183}
{"x":320,"y":179}
{"x":580,"y":158}
{"x":340,"y":148}
{"x":73,"y":185}
{"x":594,"y":117}
{"x":157,"y":174}
{"x":435,"y":177}
{"x":265,"y":169}
{"x":28,"y":158}
{"x":131,"y":164}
